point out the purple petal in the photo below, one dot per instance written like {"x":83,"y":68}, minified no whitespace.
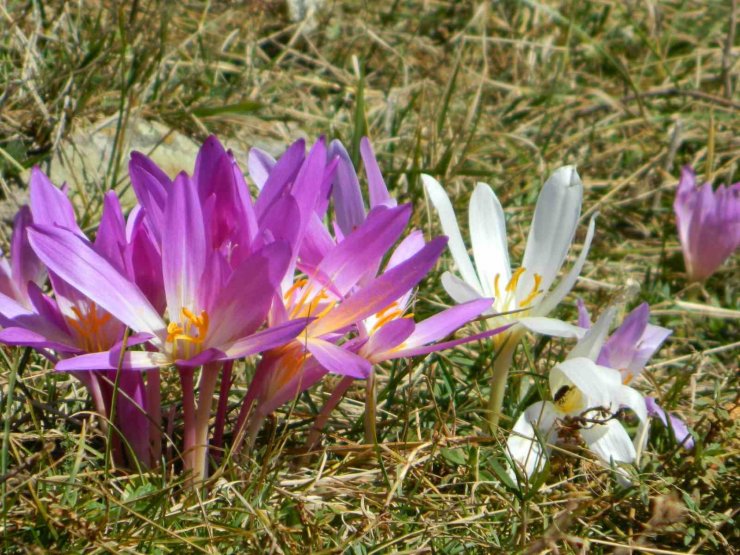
{"x":361,"y":251}
{"x":388,"y":337}
{"x":379,"y":195}
{"x":110,"y":240}
{"x":680,"y":430}
{"x":74,"y":261}
{"x":260,"y":165}
{"x":151,"y":186}
{"x":348,"y":204}
{"x":183,"y":248}
{"x":382,"y":291}
{"x":49,"y":205}
{"x":26,"y":266}
{"x":446,"y":322}
{"x":618,"y":350}
{"x":271,"y":338}
{"x":144,"y":263}
{"x":244,"y":301}
{"x":425,"y":350}
{"x":338,"y":360}
{"x":108,"y":360}
{"x":281,"y":176}
{"x":584,"y":318}
{"x":28,"y":338}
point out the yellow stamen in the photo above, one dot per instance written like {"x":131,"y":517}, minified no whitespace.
{"x":89,"y":326}
{"x":534,"y":292}
{"x":293,"y":288}
{"x":511,"y":286}
{"x":496,"y":290}
{"x":630,"y":376}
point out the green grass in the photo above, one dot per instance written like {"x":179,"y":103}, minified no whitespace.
{"x":502,"y":93}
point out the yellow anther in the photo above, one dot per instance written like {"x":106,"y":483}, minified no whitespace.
{"x":534,"y":292}
{"x":496,"y":290}
{"x":628,"y":378}
{"x":293,"y":288}
{"x":511,"y":286}
{"x":387,"y":318}
{"x":89,"y":326}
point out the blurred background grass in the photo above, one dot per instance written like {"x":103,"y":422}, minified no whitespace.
{"x":500,"y":92}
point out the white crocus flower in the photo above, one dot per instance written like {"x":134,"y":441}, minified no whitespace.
{"x":586,"y":399}
{"x":522,"y":296}
{"x":526,"y":289}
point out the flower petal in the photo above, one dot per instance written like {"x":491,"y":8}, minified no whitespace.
{"x":551,"y":300}
{"x":362,"y":250}
{"x":488,"y":237}
{"x":609,"y":442}
{"x":377,"y":189}
{"x":597,"y":384}
{"x":75,"y":261}
{"x":382,"y":291}
{"x":443,"y":206}
{"x":270,"y":338}
{"x":536,"y":423}
{"x":553,"y":228}
{"x":459,"y":290}
{"x":49,"y":205}
{"x":260,"y":164}
{"x":339,"y":361}
{"x":183,"y":248}
{"x":348,"y":204}
{"x":281,"y":176}
{"x":132,"y":360}
{"x":444,"y":323}
{"x":551,"y":327}
{"x":591,"y":344}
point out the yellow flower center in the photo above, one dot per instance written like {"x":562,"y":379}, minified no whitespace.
{"x":88,"y":326}
{"x":307,"y":303}
{"x":507,"y":301}
{"x":568,"y":399}
{"x":188,"y":335}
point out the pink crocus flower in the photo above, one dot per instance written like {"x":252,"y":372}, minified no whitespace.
{"x":708,"y":224}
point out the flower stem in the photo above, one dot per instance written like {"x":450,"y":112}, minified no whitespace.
{"x":499,"y":377}
{"x":188,"y":416}
{"x":154,"y":409}
{"x":208,"y":379}
{"x":371,"y":436}
{"x":331,"y":404}
{"x":223,"y":404}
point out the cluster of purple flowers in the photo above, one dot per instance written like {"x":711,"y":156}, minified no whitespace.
{"x":199,"y":275}
{"x":310,"y":278}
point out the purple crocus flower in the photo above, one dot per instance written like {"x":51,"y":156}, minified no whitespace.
{"x":69,"y":324}
{"x":628,"y":350}
{"x":213,"y":310}
{"x":708,"y":224}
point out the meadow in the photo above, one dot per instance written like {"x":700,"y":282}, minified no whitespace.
{"x":501,"y":93}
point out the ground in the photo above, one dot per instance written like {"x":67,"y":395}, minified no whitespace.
{"x":500,"y":92}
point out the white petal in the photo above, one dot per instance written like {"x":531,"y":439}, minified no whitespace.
{"x":591,"y":344}
{"x":524,"y":446}
{"x":459,"y":290}
{"x":488,"y":236}
{"x":633,"y":399}
{"x":609,"y":442}
{"x":551,"y":327}
{"x":446,"y":214}
{"x":598,"y":384}
{"x":553,"y":227}
{"x":566,"y":284}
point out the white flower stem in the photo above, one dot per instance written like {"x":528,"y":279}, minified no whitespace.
{"x":499,"y":377}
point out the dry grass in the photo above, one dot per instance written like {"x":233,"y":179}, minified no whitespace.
{"x":501,"y":92}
